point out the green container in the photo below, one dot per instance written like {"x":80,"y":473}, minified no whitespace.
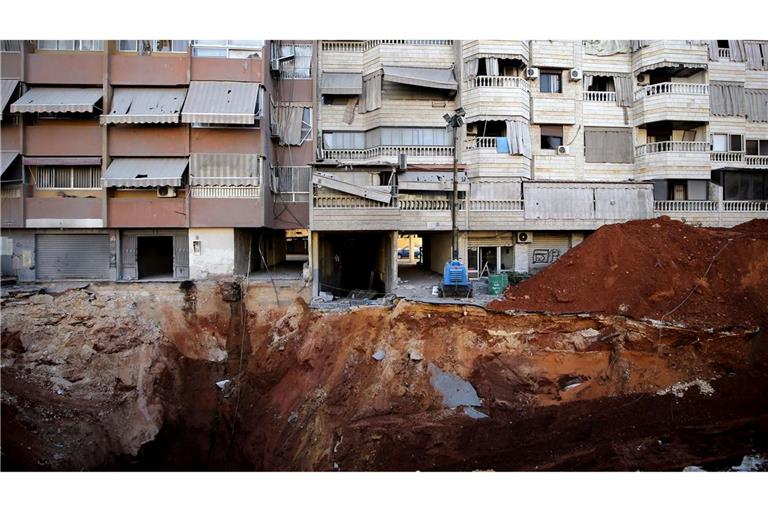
{"x":497,"y":283}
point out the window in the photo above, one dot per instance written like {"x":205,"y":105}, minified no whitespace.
{"x":757,"y":147}
{"x":68,"y":178}
{"x":230,"y":49}
{"x":300,"y":66}
{"x":745,"y":186}
{"x":306,"y":124}
{"x":84,"y":45}
{"x":602,"y":84}
{"x":10,"y":46}
{"x":551,"y":136}
{"x":727,"y":142}
{"x":550,"y":81}
{"x":153,"y":46}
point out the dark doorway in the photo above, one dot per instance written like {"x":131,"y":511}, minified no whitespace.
{"x":354,"y":263}
{"x":155,"y":257}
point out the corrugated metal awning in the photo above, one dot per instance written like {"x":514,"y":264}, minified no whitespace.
{"x":6,"y":91}
{"x":224,"y":169}
{"x":145,"y":172}
{"x":61,"y":160}
{"x":422,"y":77}
{"x":58,"y":100}
{"x":669,"y":64}
{"x":6,"y":159}
{"x":145,"y":105}
{"x":221,"y":103}
{"x":341,"y":83}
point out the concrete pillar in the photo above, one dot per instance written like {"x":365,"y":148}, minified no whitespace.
{"x":576,"y":238}
{"x":314,"y":261}
{"x":391,"y":248}
{"x":211,"y":252}
{"x":521,"y":257}
{"x":410,"y":248}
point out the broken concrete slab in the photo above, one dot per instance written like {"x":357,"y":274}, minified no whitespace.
{"x":455,"y":390}
{"x":379,"y":355}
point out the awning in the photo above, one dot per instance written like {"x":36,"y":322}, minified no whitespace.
{"x":61,"y":160}
{"x":422,"y":77}
{"x":225,"y":169}
{"x":145,"y":105}
{"x":6,"y":91}
{"x":669,"y":64}
{"x":145,"y":172}
{"x":6,"y":159}
{"x":57,"y":100}
{"x":341,"y":83}
{"x":221,"y":103}
{"x":381,"y":194}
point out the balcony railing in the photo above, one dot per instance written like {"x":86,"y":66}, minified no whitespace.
{"x":498,"y":81}
{"x":496,"y":205}
{"x":602,"y":96}
{"x":347,"y":202}
{"x":360,"y":46}
{"x":724,"y":53}
{"x":672,"y":88}
{"x":481,"y":143}
{"x":709,"y":206}
{"x":738,"y":157}
{"x":226,"y":192}
{"x":425,"y":204}
{"x":388,"y":151}
{"x":672,"y":146}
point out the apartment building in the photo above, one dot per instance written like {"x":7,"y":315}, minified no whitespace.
{"x":154,"y":159}
{"x":559,"y":138}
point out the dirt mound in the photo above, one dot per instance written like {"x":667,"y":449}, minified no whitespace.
{"x":658,"y":268}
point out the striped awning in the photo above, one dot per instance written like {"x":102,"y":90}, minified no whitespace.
{"x":341,"y":83}
{"x":6,"y":91}
{"x":670,"y":64}
{"x":421,"y":77}
{"x":221,"y":103}
{"x":145,"y":105}
{"x":145,"y":172}
{"x":225,"y":169}
{"x":55,"y":100}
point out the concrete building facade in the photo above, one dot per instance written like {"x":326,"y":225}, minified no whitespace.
{"x":126,"y":160}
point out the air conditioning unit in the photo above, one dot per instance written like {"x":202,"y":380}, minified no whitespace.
{"x":563,"y":150}
{"x":643,"y":78}
{"x":575,"y":75}
{"x":532,"y":73}
{"x":524,"y":237}
{"x":166,"y":192}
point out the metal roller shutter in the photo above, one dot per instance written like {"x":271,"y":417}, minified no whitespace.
{"x":545,"y":249}
{"x":72,"y":256}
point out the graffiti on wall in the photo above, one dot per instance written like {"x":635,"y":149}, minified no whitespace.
{"x":545,"y":256}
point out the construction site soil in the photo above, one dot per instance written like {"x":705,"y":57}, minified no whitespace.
{"x":157,"y":376}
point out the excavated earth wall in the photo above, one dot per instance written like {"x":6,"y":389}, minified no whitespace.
{"x":162,"y":376}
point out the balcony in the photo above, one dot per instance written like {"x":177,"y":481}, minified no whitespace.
{"x":372,"y":54}
{"x":428,"y":214}
{"x":671,"y":101}
{"x":725,"y":159}
{"x":600,"y":109}
{"x":670,"y":53}
{"x":352,"y":213}
{"x":673,"y":159}
{"x":484,"y":161}
{"x":496,"y":48}
{"x":496,"y":97}
{"x":712,"y":213}
{"x":495,"y":214}
{"x":389,"y":154}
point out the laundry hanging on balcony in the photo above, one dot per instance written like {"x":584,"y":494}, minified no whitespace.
{"x":726,"y":99}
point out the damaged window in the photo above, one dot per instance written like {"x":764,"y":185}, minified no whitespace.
{"x":306,"y":124}
{"x":300,"y":66}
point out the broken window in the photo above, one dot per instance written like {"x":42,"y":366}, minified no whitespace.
{"x":300,"y":66}
{"x":228,"y":48}
{"x":50,"y":177}
{"x":551,"y":136}
{"x":306,"y":124}
{"x":550,"y":81}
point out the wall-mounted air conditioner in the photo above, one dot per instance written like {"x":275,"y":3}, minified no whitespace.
{"x":532,"y":73}
{"x":575,"y":75}
{"x":166,"y":192}
{"x":524,"y":237}
{"x":563,"y":150}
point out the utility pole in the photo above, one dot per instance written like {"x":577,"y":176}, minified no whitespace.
{"x":455,"y":120}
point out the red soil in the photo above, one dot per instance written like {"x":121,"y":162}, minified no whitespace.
{"x":660,"y":269}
